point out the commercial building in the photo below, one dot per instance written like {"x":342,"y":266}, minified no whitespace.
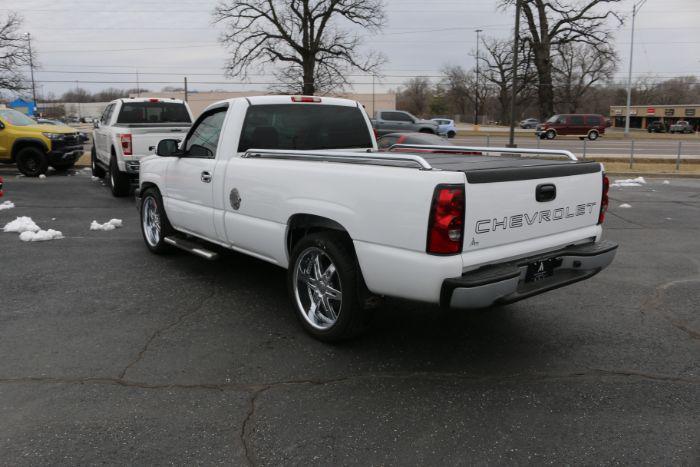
{"x":642,"y":115}
{"x":22,"y":105}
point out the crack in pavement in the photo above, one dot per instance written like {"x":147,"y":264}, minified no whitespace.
{"x":258,"y":389}
{"x":652,"y":304}
{"x":159,"y":331}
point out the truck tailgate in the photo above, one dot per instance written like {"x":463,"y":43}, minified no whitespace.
{"x":512,"y":204}
{"x":146,"y":137}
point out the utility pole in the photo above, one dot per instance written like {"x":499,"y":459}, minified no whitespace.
{"x":138,"y":86}
{"x":31,"y":69}
{"x":373,"y":111}
{"x":185,"y":88}
{"x":635,"y":10}
{"x":476,"y":84}
{"x":516,"y":36}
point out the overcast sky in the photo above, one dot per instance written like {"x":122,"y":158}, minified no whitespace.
{"x":164,"y":40}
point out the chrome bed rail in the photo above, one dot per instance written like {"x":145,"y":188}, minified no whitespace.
{"x":488,"y":150}
{"x":373,"y":158}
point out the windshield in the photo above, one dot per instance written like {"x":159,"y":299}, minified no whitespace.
{"x":153,"y":112}
{"x":553,"y":119}
{"x":16,"y":118}
{"x":304,"y":126}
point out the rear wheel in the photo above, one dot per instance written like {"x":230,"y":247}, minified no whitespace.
{"x":32,"y":162}
{"x":155,"y":225}
{"x":550,"y":134}
{"x":97,"y":171}
{"x":593,"y":135}
{"x":118,"y":181}
{"x":325,"y":287}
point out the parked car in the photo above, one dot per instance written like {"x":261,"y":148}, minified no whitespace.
{"x":446,"y":127}
{"x":529,"y":123}
{"x":591,"y":126}
{"x":657,"y":126}
{"x":681,"y":126}
{"x":390,"y":121}
{"x":129,"y":130}
{"x":390,"y":139}
{"x":296,"y":181}
{"x":35,"y":147}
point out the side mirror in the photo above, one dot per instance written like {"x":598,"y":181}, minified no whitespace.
{"x":168,"y":148}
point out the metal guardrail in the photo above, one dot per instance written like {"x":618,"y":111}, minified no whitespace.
{"x":342,"y":157}
{"x":487,"y":150}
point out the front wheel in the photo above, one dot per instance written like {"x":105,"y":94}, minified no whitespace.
{"x":32,"y":162}
{"x":593,"y":135}
{"x":155,"y":225}
{"x":551,"y":134}
{"x":324,"y":286}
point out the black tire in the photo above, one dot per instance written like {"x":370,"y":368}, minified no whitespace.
{"x":32,"y":162}
{"x":451,"y":134}
{"x":351,"y":317}
{"x":97,"y":171}
{"x":118,"y":180}
{"x":165,"y":229}
{"x":550,"y":134}
{"x":593,"y":135}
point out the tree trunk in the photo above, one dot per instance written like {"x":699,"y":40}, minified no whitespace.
{"x":545,"y":91}
{"x":309,"y":86}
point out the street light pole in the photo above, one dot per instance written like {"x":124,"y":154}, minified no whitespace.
{"x":31,"y":68}
{"x":476,"y":84}
{"x":516,"y":36}
{"x":635,"y":10}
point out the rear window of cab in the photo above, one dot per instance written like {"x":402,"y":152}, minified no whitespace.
{"x":304,"y":127}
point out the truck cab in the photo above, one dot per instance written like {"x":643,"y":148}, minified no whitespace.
{"x":34,"y":147}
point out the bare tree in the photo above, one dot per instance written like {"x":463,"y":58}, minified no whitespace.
{"x":459,"y":85}
{"x":551,"y":23}
{"x":416,"y":96}
{"x":579,"y":67}
{"x":14,"y":54}
{"x":497,"y":65}
{"x":308,"y":40}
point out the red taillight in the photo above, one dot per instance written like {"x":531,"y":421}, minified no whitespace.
{"x":153,"y":100}
{"x":125,"y":140}
{"x":306,"y":99}
{"x":604,"y":199}
{"x":446,"y":224}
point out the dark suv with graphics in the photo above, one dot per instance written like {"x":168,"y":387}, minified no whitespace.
{"x":590,"y":126}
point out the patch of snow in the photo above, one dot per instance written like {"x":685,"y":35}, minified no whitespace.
{"x":42,"y":176}
{"x":639,"y":181}
{"x":21,"y":224}
{"x":7,"y":205}
{"x":53,"y":218}
{"x":666,"y":182}
{"x":93,"y":178}
{"x":625,"y":205}
{"x":110,"y":225}
{"x":40,"y":236}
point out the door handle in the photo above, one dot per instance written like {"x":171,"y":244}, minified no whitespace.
{"x":205,"y":177}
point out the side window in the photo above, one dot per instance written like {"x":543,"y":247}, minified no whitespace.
{"x":561,"y":120}
{"x":204,"y":135}
{"x":106,"y":114}
{"x":592,"y":120}
{"x":576,"y":120}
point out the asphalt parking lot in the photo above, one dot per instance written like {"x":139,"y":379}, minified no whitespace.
{"x":114,"y":355}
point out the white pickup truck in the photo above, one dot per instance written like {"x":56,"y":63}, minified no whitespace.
{"x":297,"y":181}
{"x":130,"y":129}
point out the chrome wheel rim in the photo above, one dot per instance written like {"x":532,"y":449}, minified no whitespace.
{"x":151,"y":221}
{"x":317,"y":288}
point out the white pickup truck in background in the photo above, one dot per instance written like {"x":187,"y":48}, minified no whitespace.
{"x":130,"y":129}
{"x":297,"y":181}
